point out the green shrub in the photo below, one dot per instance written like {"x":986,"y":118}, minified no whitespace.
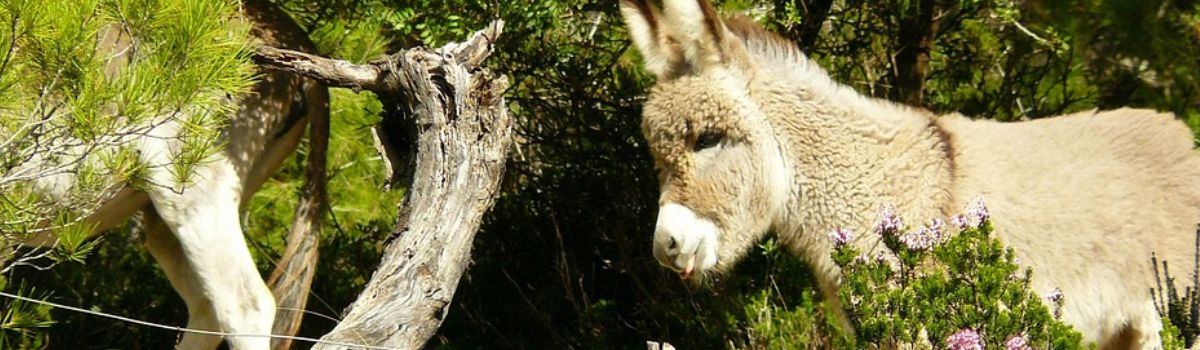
{"x":943,"y":290}
{"x":1180,"y":312}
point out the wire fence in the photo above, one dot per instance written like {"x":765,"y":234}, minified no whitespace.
{"x":189,"y":330}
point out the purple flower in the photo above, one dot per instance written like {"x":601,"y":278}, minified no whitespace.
{"x":959,"y":221}
{"x":1055,"y":296}
{"x":889,"y":222}
{"x":840,"y":237}
{"x":916,"y":240}
{"x":926,"y":236}
{"x":977,"y":212}
{"x":937,"y":230}
{"x":1017,"y":342}
{"x":861,"y":259}
{"x":965,"y":339}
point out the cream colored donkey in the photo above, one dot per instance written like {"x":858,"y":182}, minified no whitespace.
{"x":750,"y":136}
{"x":195,"y":235}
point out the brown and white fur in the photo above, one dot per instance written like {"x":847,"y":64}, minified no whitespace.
{"x":749,"y":137}
{"x":195,"y":234}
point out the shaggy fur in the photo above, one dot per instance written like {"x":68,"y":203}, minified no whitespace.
{"x":1084,"y":199}
{"x":195,"y":235}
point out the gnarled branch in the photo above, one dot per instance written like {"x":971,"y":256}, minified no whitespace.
{"x":446,"y":127}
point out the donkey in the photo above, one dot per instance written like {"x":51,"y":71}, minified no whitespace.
{"x":749,"y":136}
{"x":195,"y":234}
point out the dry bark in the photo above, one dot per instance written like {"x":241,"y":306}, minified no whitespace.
{"x":446,"y":128}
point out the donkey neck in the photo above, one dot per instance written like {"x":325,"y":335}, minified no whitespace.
{"x":850,"y":155}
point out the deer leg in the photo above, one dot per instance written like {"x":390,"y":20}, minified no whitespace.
{"x":166,"y":250}
{"x":214,"y":265}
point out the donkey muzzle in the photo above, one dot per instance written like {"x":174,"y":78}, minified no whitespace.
{"x":683,"y":241}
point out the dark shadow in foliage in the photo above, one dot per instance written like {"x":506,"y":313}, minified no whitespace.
{"x":118,"y":277}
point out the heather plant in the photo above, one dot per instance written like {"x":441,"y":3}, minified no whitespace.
{"x":945,"y":287}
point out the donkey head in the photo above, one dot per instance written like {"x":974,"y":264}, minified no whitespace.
{"x":722,"y":174}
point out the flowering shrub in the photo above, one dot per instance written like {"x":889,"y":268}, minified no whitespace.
{"x":934,"y":288}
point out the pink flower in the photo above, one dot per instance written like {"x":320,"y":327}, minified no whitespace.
{"x":1017,"y":342}
{"x":965,"y":339}
{"x":889,"y":222}
{"x":840,"y":237}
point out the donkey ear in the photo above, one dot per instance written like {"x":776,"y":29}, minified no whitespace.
{"x":701,"y":32}
{"x":658,"y":49}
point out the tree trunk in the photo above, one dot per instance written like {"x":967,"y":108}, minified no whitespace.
{"x":918,"y":29}
{"x":446,"y":127}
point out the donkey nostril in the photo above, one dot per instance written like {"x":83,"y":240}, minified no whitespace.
{"x":672,"y":244}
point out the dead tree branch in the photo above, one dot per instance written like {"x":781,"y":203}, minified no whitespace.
{"x":446,"y":128}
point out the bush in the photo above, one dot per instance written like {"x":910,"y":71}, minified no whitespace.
{"x":940,"y":290}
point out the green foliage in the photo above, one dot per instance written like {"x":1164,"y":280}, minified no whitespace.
{"x":118,"y":277}
{"x":79,"y":80}
{"x":1172,"y":338}
{"x":919,"y":295}
{"x":783,"y":311}
{"x":22,"y":323}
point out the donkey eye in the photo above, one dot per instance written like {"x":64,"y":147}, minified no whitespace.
{"x":706,"y":140}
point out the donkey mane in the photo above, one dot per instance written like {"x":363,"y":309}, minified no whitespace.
{"x":787,"y":64}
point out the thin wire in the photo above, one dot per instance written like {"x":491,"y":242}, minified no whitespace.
{"x":307,"y":312}
{"x":188,"y":330}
